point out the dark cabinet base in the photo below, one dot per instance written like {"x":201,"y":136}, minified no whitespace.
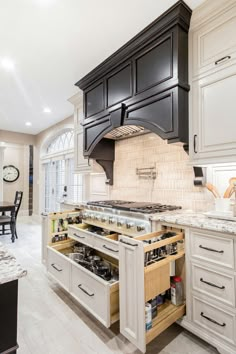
{"x":8,"y":317}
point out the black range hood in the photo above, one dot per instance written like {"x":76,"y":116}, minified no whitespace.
{"x":143,"y":84}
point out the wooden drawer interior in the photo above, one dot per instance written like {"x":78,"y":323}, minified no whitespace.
{"x":157,"y":273}
{"x":157,"y":281}
{"x":167,"y":315}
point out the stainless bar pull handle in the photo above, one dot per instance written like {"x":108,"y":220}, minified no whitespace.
{"x":129,"y":244}
{"x":109,"y":249}
{"x":59,"y":270}
{"x":85,"y":291}
{"x":78,"y":236}
{"x":211,"y":249}
{"x":211,"y":284}
{"x":213,"y":321}
{"x":195,"y":143}
{"x":227,"y":57}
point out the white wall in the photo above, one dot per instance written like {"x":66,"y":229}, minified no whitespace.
{"x":18,"y":156}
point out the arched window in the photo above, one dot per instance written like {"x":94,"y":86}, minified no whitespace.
{"x":63,"y":142}
{"x":60,"y":182}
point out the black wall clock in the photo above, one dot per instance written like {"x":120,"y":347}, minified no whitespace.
{"x":10,"y":173}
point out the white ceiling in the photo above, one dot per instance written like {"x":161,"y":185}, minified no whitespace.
{"x":53,"y":44}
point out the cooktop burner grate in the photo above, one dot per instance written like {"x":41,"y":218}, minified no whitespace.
{"x":141,"y":207}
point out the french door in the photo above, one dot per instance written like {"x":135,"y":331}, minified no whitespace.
{"x":60,"y":183}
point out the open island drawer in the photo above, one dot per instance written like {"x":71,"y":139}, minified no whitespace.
{"x":143,"y":278}
{"x":98,"y":296}
{"x":107,"y":244}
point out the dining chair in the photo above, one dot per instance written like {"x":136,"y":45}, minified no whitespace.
{"x":6,"y":220}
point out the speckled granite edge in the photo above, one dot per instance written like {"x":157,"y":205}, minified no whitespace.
{"x":9,"y":268}
{"x":197,"y":220}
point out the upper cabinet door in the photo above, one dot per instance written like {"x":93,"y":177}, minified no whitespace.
{"x":214,"y":43}
{"x":213,"y":124}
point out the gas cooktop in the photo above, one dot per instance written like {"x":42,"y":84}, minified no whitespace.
{"x":141,"y":207}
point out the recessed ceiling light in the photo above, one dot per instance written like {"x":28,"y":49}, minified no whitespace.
{"x":7,"y":64}
{"x":28,"y":124}
{"x":47,"y":110}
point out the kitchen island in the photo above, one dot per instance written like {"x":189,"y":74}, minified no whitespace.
{"x":10,"y":272}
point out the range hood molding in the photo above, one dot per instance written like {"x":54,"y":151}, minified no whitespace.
{"x":143,"y":84}
{"x":178,"y":14}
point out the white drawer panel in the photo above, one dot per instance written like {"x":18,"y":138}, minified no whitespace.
{"x":107,"y":246}
{"x":81,"y":235}
{"x":218,"y":286}
{"x":214,"y":249}
{"x":92,"y":293}
{"x":59,"y":267}
{"x":214,"y":320}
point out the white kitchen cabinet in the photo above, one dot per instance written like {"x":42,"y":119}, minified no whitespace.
{"x":82,"y":165}
{"x":213,"y":126}
{"x":98,"y":296}
{"x":211,"y":274}
{"x":212,"y":36}
{"x":212,"y":122}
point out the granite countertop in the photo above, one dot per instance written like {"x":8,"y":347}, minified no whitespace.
{"x":198,"y":220}
{"x":9,"y":268}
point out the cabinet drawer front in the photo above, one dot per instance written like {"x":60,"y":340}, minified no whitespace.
{"x":81,"y":235}
{"x":107,"y":246}
{"x":59,"y":267}
{"x":91,"y":293}
{"x":214,"y":320}
{"x":217,"y":250}
{"x":218,"y":286}
{"x":215,"y":43}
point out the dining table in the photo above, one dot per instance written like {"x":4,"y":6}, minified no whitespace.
{"x":9,"y":207}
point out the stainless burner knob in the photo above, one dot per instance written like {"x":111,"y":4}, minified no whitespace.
{"x":140,"y":228}
{"x":96,"y":217}
{"x":129,"y":225}
{"x":85,"y":216}
{"x":104,"y":219}
{"x":111,"y":220}
{"x":120,"y":223}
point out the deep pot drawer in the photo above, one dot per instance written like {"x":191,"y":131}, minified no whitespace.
{"x":107,"y":246}
{"x":211,"y":318}
{"x":91,"y":293}
{"x":216,"y":285}
{"x":59,"y":267}
{"x":81,"y":235}
{"x":215,"y":249}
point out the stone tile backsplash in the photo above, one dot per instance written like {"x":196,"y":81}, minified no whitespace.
{"x":174,"y":182}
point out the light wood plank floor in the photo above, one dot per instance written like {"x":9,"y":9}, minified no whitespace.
{"x":51,"y":322}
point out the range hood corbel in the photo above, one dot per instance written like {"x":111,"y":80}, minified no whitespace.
{"x":104,"y":155}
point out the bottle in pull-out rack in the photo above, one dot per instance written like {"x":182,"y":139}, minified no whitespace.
{"x":177,"y":293}
{"x":148,"y":316}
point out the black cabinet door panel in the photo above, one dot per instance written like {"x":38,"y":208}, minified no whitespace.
{"x":157,"y":114}
{"x":119,"y":86}
{"x":154,"y":65}
{"x":94,"y":100}
{"x":94,"y":132}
